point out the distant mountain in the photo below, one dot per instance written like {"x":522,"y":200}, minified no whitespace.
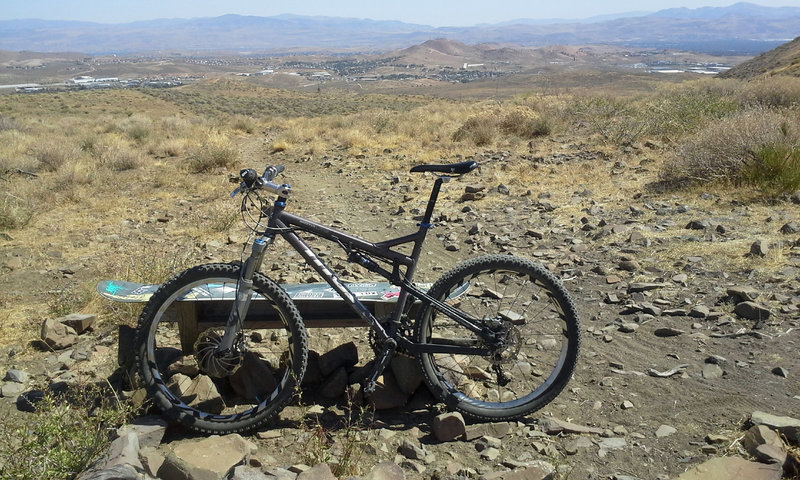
{"x":783,"y":60}
{"x":741,"y":9}
{"x":741,"y":28}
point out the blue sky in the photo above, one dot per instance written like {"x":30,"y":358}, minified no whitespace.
{"x":441,"y":13}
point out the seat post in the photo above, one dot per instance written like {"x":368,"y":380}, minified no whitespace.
{"x":437,"y":185}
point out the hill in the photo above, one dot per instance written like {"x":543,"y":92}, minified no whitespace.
{"x":783,"y":60}
{"x":741,"y":28}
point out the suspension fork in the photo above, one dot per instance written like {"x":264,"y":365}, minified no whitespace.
{"x":244,"y":292}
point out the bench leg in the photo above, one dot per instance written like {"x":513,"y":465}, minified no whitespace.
{"x":187,"y":325}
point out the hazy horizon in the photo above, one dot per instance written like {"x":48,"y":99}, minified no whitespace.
{"x":447,"y":13}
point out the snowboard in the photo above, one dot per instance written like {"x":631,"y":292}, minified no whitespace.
{"x":132,"y":292}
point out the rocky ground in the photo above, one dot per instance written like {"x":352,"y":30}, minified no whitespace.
{"x":689,"y":306}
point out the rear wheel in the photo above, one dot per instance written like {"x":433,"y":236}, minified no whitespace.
{"x":178,"y":331}
{"x":536,"y":342}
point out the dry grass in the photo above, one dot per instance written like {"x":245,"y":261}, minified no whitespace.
{"x":125,"y":168}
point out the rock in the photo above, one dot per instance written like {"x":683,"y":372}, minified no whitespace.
{"x":759,"y":248}
{"x":345,"y":355}
{"x":407,"y":372}
{"x":698,"y":225}
{"x":613,"y":443}
{"x":124,"y":450}
{"x":699,"y":311}
{"x":665,"y":431}
{"x":386,"y":471}
{"x":78,"y":321}
{"x":320,"y":471}
{"x":627,"y":405}
{"x":645,"y":287}
{"x":752,"y":311}
{"x":15,"y":375}
{"x":152,"y":459}
{"x":57,"y":335}
{"x":628,"y":265}
{"x":787,"y":426}
{"x":554,"y":426}
{"x":712,"y":370}
{"x":728,"y":468}
{"x":335,"y":384}
{"x":743,"y":293}
{"x":449,"y":426}
{"x":254,"y":378}
{"x":245,"y":472}
{"x":781,"y":372}
{"x":790,"y":228}
{"x":490,"y":454}
{"x":764,"y":444}
{"x":487,"y":442}
{"x":149,"y":430}
{"x":199,"y":392}
{"x":497,"y":430}
{"x":667,"y":332}
{"x":388,"y":394}
{"x":412,"y":450}
{"x":116,"y":472}
{"x":12,"y":389}
{"x":211,"y":458}
{"x":539,"y":471}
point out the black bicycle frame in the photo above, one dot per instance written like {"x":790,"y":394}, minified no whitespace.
{"x":357,"y":248}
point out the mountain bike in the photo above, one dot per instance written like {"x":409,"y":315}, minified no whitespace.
{"x":496,"y":337}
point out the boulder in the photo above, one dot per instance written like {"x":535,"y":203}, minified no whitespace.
{"x":57,"y":335}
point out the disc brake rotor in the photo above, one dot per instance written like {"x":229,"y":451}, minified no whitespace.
{"x":212,"y":363}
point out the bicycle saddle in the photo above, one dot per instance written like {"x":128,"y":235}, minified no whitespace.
{"x":453,"y":168}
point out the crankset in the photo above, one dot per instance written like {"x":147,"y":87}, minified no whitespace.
{"x":217,"y":364}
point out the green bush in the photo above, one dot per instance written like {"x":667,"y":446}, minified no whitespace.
{"x":684,"y":110}
{"x":62,"y":437}
{"x":774,"y":169}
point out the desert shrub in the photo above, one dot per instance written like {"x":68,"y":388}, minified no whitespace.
{"x":728,"y":149}
{"x":244,"y":124}
{"x":54,"y":154}
{"x":479,"y":129}
{"x":169,"y":148}
{"x":681,"y":110}
{"x":138,"y":128}
{"x":524,"y":123}
{"x":15,"y":211}
{"x":216,"y":152}
{"x":617,"y":120}
{"x":120,"y":158}
{"x":772,"y":92}
{"x":8,"y":124}
{"x":63,"y":436}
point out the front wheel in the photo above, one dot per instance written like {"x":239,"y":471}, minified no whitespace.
{"x":178,"y":331}
{"x":536,"y":338}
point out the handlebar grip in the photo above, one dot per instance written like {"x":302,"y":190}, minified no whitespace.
{"x":272,"y":172}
